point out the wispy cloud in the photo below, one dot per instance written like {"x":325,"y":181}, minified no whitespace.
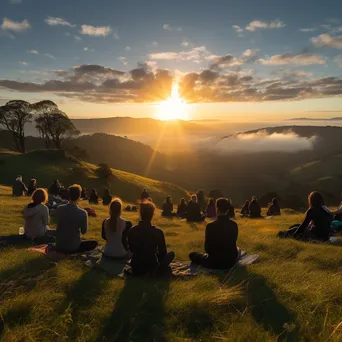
{"x":338,"y":60}
{"x":55,"y":21}
{"x":195,"y":55}
{"x":326,"y":40}
{"x":123,"y":60}
{"x":77,"y":38}
{"x":308,"y":29}
{"x":15,"y":26}
{"x":127,"y":48}
{"x":185,"y":43}
{"x":99,"y":31}
{"x":116,"y":35}
{"x":23,"y":63}
{"x":170,"y":28}
{"x":256,"y":24}
{"x":49,"y":56}
{"x":88,"y":49}
{"x":155,"y":44}
{"x":15,"y":2}
{"x":33,"y":52}
{"x":296,"y":59}
{"x":238,"y":29}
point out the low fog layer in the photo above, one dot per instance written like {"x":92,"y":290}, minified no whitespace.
{"x":263,"y":142}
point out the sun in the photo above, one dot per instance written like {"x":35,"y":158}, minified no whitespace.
{"x":174,"y":108}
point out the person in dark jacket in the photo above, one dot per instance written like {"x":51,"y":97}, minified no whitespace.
{"x":55,"y":188}
{"x":245,"y":209}
{"x":274,"y":208}
{"x":94,"y":197}
{"x":18,"y":187}
{"x":107,"y":197}
{"x":145,"y":195}
{"x":168,"y":207}
{"x":182,"y":209}
{"x":254,"y":208}
{"x":210,"y":212}
{"x":220,"y":241}
{"x":32,"y":187}
{"x":84,"y":194}
{"x":317,"y":221}
{"x":147,"y":244}
{"x":194,"y":211}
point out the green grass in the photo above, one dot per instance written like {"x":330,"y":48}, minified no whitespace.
{"x":47,"y":165}
{"x":293,"y":293}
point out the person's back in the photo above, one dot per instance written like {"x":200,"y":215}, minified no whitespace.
{"x":18,"y":188}
{"x":254,"y":209}
{"x":147,"y":244}
{"x":55,"y":188}
{"x":220,"y":242}
{"x":245,"y":209}
{"x":32,"y":187}
{"x":182,"y":209}
{"x":115,"y":231}
{"x":167,"y":207}
{"x":36,"y":215}
{"x":273,"y":208}
{"x":107,"y":197}
{"x":93,"y":198}
{"x":194,"y":211}
{"x":211,"y":210}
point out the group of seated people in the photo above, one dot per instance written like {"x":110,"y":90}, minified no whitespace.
{"x":252,"y":208}
{"x":144,"y":243}
{"x":106,"y":198}
{"x":191,"y":211}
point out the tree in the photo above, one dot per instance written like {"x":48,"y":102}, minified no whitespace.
{"x":53,"y":125}
{"x":104,"y":172}
{"x":14,"y":115}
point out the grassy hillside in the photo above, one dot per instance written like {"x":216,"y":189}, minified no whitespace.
{"x":47,"y":165}
{"x":292,"y":294}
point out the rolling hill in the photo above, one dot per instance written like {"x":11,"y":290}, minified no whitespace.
{"x":47,"y":165}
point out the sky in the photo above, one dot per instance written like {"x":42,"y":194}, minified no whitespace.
{"x":235,"y":60}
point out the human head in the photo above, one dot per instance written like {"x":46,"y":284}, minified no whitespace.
{"x":115,"y":208}
{"x":93,"y":191}
{"x":247,"y":202}
{"x":19,"y":178}
{"x":56,"y":181}
{"x":147,"y":209}
{"x":211,"y":201}
{"x":150,"y":199}
{"x":315,"y":199}
{"x":168,"y":199}
{"x":222,"y":205}
{"x":194,"y":198}
{"x":40,"y":196}
{"x":182,"y":201}
{"x":275,"y":201}
{"x":33,"y":181}
{"x":75,"y":192}
{"x":106,"y":192}
{"x":254,"y":198}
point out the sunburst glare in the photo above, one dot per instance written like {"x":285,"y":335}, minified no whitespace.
{"x":174,"y":108}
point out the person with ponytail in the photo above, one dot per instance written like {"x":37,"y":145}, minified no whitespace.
{"x":115,"y":231}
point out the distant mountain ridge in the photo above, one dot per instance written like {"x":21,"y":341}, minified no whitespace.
{"x":337,"y":118}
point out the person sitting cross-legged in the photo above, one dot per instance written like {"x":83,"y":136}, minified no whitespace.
{"x":115,"y":231}
{"x":168,"y":207}
{"x":107,"y":197}
{"x":147,"y":245}
{"x":194,"y":211}
{"x":254,"y":208}
{"x":71,"y":221}
{"x":36,"y":215}
{"x":220,"y":241}
{"x":94,"y":197}
{"x":273,"y":208}
{"x":182,"y":209}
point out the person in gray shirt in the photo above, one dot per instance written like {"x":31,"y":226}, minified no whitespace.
{"x":71,"y":221}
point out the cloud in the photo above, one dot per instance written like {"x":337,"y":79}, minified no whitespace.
{"x":77,"y":38}
{"x":127,"y":48}
{"x":154,"y":44}
{"x":326,"y":40}
{"x":256,"y":24}
{"x":87,"y":49}
{"x":123,"y":60}
{"x":263,"y":142}
{"x":225,"y":61}
{"x":15,"y":26}
{"x":170,"y":28}
{"x":49,"y":56}
{"x":33,"y":52}
{"x":23,"y":63}
{"x":238,"y":29}
{"x":100,"y":31}
{"x":185,"y":43}
{"x":195,"y":55}
{"x":55,"y":21}
{"x":116,"y":35}
{"x":309,"y":29}
{"x":296,"y":59}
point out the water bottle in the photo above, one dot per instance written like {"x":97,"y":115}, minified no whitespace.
{"x":21,"y":231}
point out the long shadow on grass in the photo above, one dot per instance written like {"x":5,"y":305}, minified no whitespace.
{"x":265,"y":307}
{"x":138,"y":314}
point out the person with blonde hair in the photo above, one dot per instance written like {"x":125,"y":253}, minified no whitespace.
{"x":115,"y":231}
{"x":36,"y":215}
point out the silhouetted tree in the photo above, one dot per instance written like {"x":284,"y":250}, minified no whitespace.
{"x":104,"y":172}
{"x":14,"y":115}
{"x":53,"y":125}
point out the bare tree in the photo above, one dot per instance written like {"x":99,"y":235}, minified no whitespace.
{"x":53,"y":125}
{"x":14,"y":115}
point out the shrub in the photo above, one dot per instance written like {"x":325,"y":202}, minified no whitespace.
{"x":104,"y":172}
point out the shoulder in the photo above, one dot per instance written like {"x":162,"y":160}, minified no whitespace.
{"x":158,"y":231}
{"x":82,"y":211}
